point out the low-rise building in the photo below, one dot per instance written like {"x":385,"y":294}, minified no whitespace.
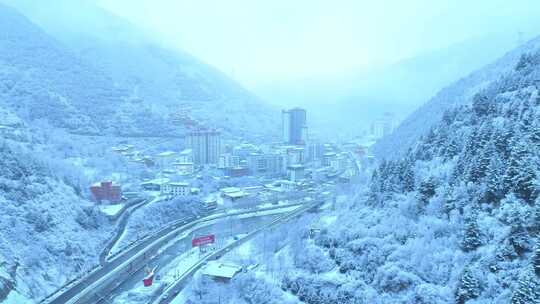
{"x":184,"y":168}
{"x":236,"y":172}
{"x":220,"y":271}
{"x":106,"y":191}
{"x":228,"y":160}
{"x":286,"y":185}
{"x":176,"y":189}
{"x":154,"y":184}
{"x":234,"y":194}
{"x":295,"y":173}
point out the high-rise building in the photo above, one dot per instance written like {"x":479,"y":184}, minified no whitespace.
{"x":265,"y":164}
{"x":294,"y":126}
{"x":205,"y":146}
{"x":383,"y":126}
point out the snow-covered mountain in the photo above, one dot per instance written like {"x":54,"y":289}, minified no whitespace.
{"x":351,"y":102}
{"x":456,"y":220}
{"x":49,"y":233}
{"x":40,"y":79}
{"x":461,"y":92}
{"x":132,"y":85}
{"x":149,"y":75}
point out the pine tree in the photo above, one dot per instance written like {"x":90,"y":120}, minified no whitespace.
{"x":375,"y":187}
{"x":524,"y":61}
{"x":471,"y":237}
{"x":450,"y":149}
{"x":407,"y":175}
{"x":479,"y":167}
{"x":519,"y":238}
{"x":494,"y":178}
{"x":506,"y":252}
{"x":481,"y":105}
{"x":502,"y":138}
{"x":535,"y":225}
{"x":449,"y":202}
{"x":468,"y":287}
{"x":536,"y":259}
{"x":520,"y":175}
{"x":528,"y":291}
{"x":426,"y":189}
{"x":534,"y":133}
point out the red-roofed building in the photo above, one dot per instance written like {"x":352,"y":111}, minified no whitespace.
{"x":106,"y":191}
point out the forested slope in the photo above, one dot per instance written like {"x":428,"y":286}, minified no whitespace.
{"x":456,"y":220}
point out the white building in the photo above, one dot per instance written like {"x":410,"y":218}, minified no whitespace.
{"x":295,"y":173}
{"x":220,"y":271}
{"x":155,"y":184}
{"x":184,"y":168}
{"x":206,"y":146}
{"x":383,"y":126}
{"x":176,"y":189}
{"x":228,"y":160}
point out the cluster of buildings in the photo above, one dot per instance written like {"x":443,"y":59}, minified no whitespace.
{"x":134,"y":156}
{"x":290,"y":164}
{"x":294,"y":158}
{"x":165,"y":186}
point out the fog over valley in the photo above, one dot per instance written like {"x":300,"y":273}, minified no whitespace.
{"x":296,"y":152}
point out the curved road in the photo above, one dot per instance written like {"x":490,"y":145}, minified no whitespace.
{"x":137,"y":253}
{"x":171,"y":291}
{"x":120,"y":227}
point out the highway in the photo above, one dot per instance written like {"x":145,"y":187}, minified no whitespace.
{"x":132,"y":258}
{"x":222,"y":229}
{"x":174,"y":289}
{"x":120,"y":227}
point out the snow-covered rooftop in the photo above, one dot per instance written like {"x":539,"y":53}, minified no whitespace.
{"x":179,"y":184}
{"x":166,"y":154}
{"x":157,"y":181}
{"x":221,"y":270}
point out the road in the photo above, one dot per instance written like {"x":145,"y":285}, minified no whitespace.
{"x":171,"y":291}
{"x":222,"y":229}
{"x":120,"y":227}
{"x":137,"y":254}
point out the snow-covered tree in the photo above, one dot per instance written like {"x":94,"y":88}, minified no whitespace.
{"x":528,"y":291}
{"x":535,"y":225}
{"x":520,"y":175}
{"x":536,"y":259}
{"x":426,"y":189}
{"x":407,"y":175}
{"x":481,"y":105}
{"x":519,"y":238}
{"x":468,"y":287}
{"x":494,"y":178}
{"x":471,"y":237}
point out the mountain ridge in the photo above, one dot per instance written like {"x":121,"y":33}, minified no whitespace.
{"x":458,"y":93}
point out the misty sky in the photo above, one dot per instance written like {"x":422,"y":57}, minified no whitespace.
{"x":261,"y":41}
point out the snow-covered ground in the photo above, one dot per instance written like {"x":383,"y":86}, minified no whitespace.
{"x":111,"y":210}
{"x":165,"y":275}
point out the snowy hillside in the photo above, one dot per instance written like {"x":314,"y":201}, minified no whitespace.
{"x":151,"y":76}
{"x":40,"y":80}
{"x":456,"y":220}
{"x":458,"y":93}
{"x":37,"y":205}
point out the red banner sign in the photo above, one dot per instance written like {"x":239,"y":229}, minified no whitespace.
{"x":203,"y":240}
